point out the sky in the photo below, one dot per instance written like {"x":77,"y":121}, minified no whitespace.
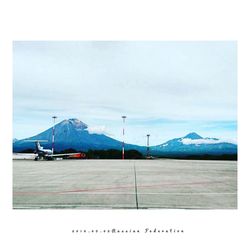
{"x":165,"y":88}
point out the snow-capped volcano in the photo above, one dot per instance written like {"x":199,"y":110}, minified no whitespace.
{"x":193,"y":143}
{"x":71,"y":133}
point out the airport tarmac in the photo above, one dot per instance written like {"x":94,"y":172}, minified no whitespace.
{"x":124,"y":184}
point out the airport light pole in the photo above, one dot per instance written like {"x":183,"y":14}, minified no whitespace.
{"x":123,"y":132}
{"x":148,"y":145}
{"x":53,"y":133}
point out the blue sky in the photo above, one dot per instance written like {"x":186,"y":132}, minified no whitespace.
{"x":166,"y":89}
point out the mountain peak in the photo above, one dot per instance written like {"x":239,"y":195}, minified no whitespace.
{"x":76,"y":123}
{"x":193,"y":136}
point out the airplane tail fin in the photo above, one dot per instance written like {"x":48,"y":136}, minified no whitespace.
{"x":37,"y":144}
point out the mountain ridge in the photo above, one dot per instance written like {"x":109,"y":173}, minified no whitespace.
{"x":73,"y":133}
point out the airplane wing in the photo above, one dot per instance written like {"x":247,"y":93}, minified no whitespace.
{"x":55,"y":155}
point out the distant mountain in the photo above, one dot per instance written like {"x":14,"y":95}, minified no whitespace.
{"x":193,"y":136}
{"x":71,"y":133}
{"x":74,"y":134}
{"x":193,"y":144}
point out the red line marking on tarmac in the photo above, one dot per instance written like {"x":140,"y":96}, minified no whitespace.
{"x":114,"y":188}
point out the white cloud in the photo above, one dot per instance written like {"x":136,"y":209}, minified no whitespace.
{"x":97,"y":82}
{"x":98,"y":130}
{"x":188,"y":141}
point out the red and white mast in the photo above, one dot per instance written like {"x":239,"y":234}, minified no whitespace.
{"x":53,"y":134}
{"x":123,"y":133}
{"x":148,"y":145}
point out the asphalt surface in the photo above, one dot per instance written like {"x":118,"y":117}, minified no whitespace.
{"x":124,"y":184}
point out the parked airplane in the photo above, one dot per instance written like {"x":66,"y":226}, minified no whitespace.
{"x":47,"y":154}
